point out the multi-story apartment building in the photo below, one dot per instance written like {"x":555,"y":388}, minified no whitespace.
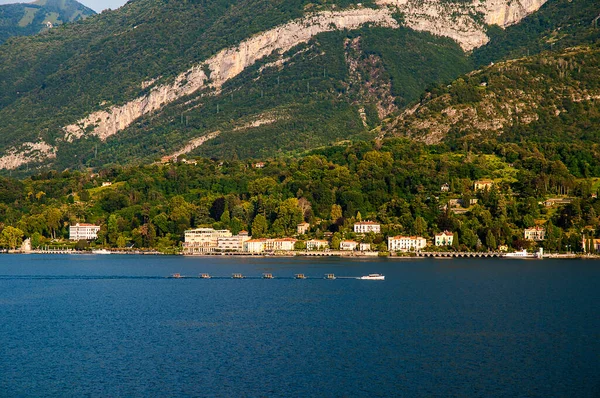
{"x":203,"y":240}
{"x":406,"y":243}
{"x":83,"y":231}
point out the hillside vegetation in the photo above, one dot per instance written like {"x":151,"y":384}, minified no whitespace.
{"x":32,"y":18}
{"x":395,"y":182}
{"x":550,"y":97}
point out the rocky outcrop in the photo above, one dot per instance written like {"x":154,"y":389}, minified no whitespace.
{"x":195,"y":143}
{"x":508,"y":12}
{"x":226,"y":65}
{"x":28,"y":152}
{"x":463,"y":22}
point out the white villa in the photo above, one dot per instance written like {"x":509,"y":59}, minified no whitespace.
{"x":444,"y":239}
{"x":406,"y":243}
{"x":365,"y":247}
{"x":535,"y":233}
{"x":316,"y":244}
{"x":348,"y":245}
{"x":364,"y":227}
{"x":83,"y":232}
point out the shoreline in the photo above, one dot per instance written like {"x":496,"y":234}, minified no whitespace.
{"x":317,"y":254}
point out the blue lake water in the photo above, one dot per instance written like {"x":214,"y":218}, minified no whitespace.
{"x":115,"y":326}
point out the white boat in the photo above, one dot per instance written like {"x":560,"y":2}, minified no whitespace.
{"x":101,"y":251}
{"x":522,"y":254}
{"x":373,"y":277}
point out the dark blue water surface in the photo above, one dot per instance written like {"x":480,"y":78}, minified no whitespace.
{"x":115,"y":326}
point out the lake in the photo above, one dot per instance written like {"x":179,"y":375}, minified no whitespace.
{"x":93,"y":325}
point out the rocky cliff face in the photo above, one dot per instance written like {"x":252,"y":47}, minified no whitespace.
{"x":463,"y":22}
{"x":227,"y":64}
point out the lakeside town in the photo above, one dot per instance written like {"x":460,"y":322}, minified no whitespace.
{"x":361,"y":238}
{"x":209,"y":241}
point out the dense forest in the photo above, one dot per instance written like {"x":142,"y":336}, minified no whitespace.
{"x":395,"y":182}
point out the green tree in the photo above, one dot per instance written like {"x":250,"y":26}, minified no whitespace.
{"x":225,"y":218}
{"x":121,"y":242}
{"x":335,"y":241}
{"x":455,"y":241}
{"x":36,"y":240}
{"x":490,"y":240}
{"x":53,"y":217}
{"x":289,"y":216}
{"x":113,"y":229}
{"x":420,"y":226}
{"x":336,"y":212}
{"x":11,"y":237}
{"x":260,"y":227}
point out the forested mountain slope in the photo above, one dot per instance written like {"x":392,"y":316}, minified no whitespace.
{"x":229,"y":78}
{"x":550,"y":97}
{"x":24,"y":19}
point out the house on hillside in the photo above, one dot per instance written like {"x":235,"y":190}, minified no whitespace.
{"x":444,"y":239}
{"x":445,"y":188}
{"x":482,"y":185}
{"x":536,"y":233}
{"x":365,"y":227}
{"x":303,"y":228}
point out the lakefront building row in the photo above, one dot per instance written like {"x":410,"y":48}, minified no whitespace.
{"x":201,"y":241}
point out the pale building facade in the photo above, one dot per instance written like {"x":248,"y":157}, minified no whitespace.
{"x":83,"y":232}
{"x":406,"y":243}
{"x":203,"y":240}
{"x":303,"y":228}
{"x":535,"y":233}
{"x":483,"y":185}
{"x":232,"y":243}
{"x":316,"y":244}
{"x":364,"y":227}
{"x":348,"y":245}
{"x":364,"y":247}
{"x":444,"y":239}
{"x":254,"y":246}
{"x":281,"y":244}
{"x":269,"y":245}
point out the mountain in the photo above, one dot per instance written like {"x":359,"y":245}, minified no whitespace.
{"x":25,"y":19}
{"x":547,"y":89}
{"x":549,"y":97}
{"x":251,"y":78}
